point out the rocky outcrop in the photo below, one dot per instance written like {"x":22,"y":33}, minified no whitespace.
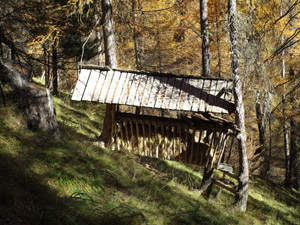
{"x":35,"y":100}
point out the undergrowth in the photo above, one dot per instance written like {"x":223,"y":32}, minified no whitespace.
{"x":45,"y":181}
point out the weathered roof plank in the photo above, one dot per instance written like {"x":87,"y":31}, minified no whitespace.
{"x":161,"y":91}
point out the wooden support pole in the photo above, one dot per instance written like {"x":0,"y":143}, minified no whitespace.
{"x":122,"y":134}
{"x":127,"y":136}
{"x":186,"y":145}
{"x":149,"y":140}
{"x":162,"y":127}
{"x":193,"y":144}
{"x":180,"y":143}
{"x":209,"y":149}
{"x":132,"y":136}
{"x":169,"y":142}
{"x":156,"y":141}
{"x":144,"y":139}
{"x":174,"y":142}
{"x":137,"y":136}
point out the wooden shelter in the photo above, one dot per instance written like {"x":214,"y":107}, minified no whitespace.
{"x":196,"y":136}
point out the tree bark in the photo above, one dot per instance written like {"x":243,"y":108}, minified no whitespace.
{"x":205,"y":38}
{"x":242,"y":193}
{"x":207,"y":181}
{"x":54,"y":69}
{"x":110,"y":61}
{"x":137,"y":50}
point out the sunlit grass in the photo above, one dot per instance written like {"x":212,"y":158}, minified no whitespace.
{"x":45,"y":181}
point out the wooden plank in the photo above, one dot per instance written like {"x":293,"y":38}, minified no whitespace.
{"x":180,"y":143}
{"x":174,"y":142}
{"x":176,"y":93}
{"x":147,"y":91}
{"x":212,"y":95}
{"x":162,"y":129}
{"x":81,"y":84}
{"x":209,"y":149}
{"x":112,"y":88}
{"x":127,"y":135}
{"x":193,"y":94}
{"x":168,"y":93}
{"x":154,"y":91}
{"x":99,"y":86}
{"x":192,"y":147}
{"x":197,"y":100}
{"x":207,"y":88}
{"x":106,"y":86}
{"x":140,"y":90}
{"x":137,"y":136}
{"x":156,"y":141}
{"x":223,"y":145}
{"x":183,"y":94}
{"x":122,"y":135}
{"x":186,"y":145}
{"x":189,"y":97}
{"x":150,"y":140}
{"x":91,"y":85}
{"x":126,"y":88}
{"x":133,"y":90}
{"x":119,"y":87}
{"x":161,"y":92}
{"x":144,"y":139}
{"x":219,"y":98}
{"x":204,"y":95}
{"x":132,"y":136}
{"x":169,"y":141}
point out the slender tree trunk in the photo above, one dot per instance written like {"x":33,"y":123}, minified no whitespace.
{"x":205,"y":38}
{"x":136,"y":38}
{"x":286,"y":123}
{"x":54,"y":69}
{"x":158,"y":45}
{"x":219,"y":65}
{"x":111,"y":61}
{"x":207,"y":181}
{"x":242,"y":194}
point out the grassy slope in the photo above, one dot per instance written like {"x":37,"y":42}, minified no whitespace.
{"x":43,"y":181}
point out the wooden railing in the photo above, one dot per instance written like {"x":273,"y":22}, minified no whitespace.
{"x":185,"y":140}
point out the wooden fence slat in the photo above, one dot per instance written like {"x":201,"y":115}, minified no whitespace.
{"x":186,"y":145}
{"x":150,"y":140}
{"x":176,"y":93}
{"x":106,"y":84}
{"x":137,"y":136}
{"x":180,"y":144}
{"x":133,"y":90}
{"x":144,"y":139}
{"x":132,"y":136}
{"x":81,"y":85}
{"x":156,"y":141}
{"x":140,"y":90}
{"x":192,"y":145}
{"x":161,"y":92}
{"x":169,"y":142}
{"x":127,"y":135}
{"x":147,"y":92}
{"x":99,"y":86}
{"x":91,"y":85}
{"x":122,"y":134}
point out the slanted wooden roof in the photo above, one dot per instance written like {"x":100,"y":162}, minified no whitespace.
{"x":154,"y":90}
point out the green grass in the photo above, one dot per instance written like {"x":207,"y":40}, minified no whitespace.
{"x":44,"y":181}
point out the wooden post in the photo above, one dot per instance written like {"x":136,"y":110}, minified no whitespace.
{"x":186,"y":145}
{"x":193,"y":142}
{"x":122,"y":134}
{"x":180,"y":143}
{"x":149,"y":140}
{"x":156,"y":141}
{"x":137,"y":136}
{"x":162,"y":127}
{"x":132,"y":136}
{"x":144,"y":139}
{"x":127,"y":136}
{"x":169,"y":142}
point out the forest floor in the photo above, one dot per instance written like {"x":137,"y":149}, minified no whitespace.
{"x":45,"y":181}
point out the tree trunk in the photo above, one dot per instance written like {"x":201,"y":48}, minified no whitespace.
{"x":219,"y":65}
{"x":110,"y":61}
{"x":54,"y":69}
{"x":242,"y":193}
{"x":207,"y":181}
{"x":158,"y":44}
{"x":33,"y":99}
{"x":136,"y":38}
{"x":205,"y":38}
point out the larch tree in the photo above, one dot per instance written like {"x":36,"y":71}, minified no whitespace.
{"x":242,"y":192}
{"x":207,"y":180}
{"x":110,"y":61}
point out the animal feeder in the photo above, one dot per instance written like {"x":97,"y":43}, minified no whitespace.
{"x":193,"y":136}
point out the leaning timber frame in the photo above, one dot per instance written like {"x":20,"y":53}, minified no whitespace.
{"x":196,"y":137}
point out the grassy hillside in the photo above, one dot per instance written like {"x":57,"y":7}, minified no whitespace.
{"x":43,"y":181}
